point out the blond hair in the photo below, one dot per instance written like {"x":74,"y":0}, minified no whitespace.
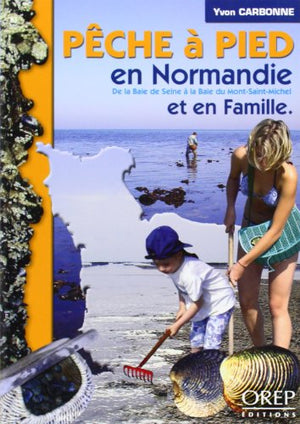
{"x":271,"y":141}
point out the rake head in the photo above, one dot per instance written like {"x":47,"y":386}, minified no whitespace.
{"x":138,"y":372}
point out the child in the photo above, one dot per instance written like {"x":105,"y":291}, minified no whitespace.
{"x":205,"y":296}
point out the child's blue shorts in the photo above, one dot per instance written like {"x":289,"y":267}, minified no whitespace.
{"x":208,"y":333}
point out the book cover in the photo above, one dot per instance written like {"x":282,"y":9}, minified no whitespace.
{"x":102,"y":159}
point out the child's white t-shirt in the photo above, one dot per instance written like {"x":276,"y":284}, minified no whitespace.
{"x":195,"y":279}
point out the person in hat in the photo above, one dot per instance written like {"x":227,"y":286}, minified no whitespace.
{"x":205,"y":295}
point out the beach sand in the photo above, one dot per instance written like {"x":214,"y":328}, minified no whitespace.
{"x":130,"y":306}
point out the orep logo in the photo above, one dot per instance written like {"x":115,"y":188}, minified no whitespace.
{"x":266,"y":397}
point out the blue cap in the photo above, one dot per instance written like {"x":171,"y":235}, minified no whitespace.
{"x":163,"y":242}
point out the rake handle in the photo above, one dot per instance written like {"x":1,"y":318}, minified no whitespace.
{"x":230,"y":249}
{"x":154,"y":349}
{"x":231,"y":323}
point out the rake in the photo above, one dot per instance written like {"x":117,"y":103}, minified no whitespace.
{"x":139,"y":372}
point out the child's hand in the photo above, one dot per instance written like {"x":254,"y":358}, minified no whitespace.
{"x":174,"y":328}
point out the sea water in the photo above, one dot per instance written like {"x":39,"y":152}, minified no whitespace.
{"x":160,"y":162}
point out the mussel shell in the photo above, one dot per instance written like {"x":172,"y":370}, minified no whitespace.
{"x":197,"y":383}
{"x":251,"y":371}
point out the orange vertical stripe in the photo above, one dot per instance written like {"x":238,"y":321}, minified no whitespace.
{"x":36,"y":84}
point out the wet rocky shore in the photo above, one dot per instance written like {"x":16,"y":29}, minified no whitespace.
{"x":130,"y":306}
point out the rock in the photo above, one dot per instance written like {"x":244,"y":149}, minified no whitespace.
{"x":160,"y":192}
{"x":21,"y":46}
{"x":175,"y":196}
{"x":144,"y":189}
{"x":147,"y":199}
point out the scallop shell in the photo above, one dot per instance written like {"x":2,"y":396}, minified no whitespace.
{"x":197,"y":383}
{"x":249,"y":372}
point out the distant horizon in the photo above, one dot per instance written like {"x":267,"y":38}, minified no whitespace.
{"x":160,"y":129}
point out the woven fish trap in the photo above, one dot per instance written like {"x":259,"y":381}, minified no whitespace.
{"x":248,"y":373}
{"x":30,"y":405}
{"x":197,"y":383}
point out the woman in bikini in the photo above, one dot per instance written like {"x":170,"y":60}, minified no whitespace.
{"x":274,"y":191}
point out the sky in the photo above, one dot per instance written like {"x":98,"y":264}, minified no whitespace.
{"x":85,"y":94}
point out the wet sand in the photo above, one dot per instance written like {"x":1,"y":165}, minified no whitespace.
{"x":130,"y":307}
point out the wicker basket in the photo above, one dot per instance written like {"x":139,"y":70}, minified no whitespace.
{"x":13,"y":408}
{"x":283,"y":248}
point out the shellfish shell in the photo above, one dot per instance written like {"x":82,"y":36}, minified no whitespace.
{"x":197,"y":383}
{"x":251,"y":371}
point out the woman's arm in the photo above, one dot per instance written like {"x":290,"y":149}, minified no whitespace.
{"x":232,"y":187}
